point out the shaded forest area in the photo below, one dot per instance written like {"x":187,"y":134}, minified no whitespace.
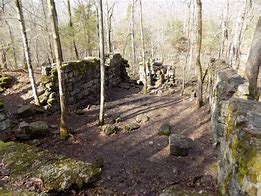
{"x":132,"y":97}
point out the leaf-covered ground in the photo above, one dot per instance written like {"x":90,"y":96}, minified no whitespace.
{"x":136,"y":163}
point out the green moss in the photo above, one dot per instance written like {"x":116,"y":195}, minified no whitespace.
{"x":57,"y":172}
{"x":5,"y":81}
{"x":45,"y":79}
{"x":82,"y":66}
{"x":1,"y":105}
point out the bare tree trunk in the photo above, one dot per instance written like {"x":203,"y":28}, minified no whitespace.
{"x":27,"y":51}
{"x":133,"y":34}
{"x":109,"y":27}
{"x":71,"y":26}
{"x":12,"y":44}
{"x":64,"y":132}
{"x":235,"y":60}
{"x":224,"y":42}
{"x":4,"y":59}
{"x":191,"y":42}
{"x":189,"y":45}
{"x":198,"y":53}
{"x":254,"y":63}
{"x":50,"y":50}
{"x":102,"y":63}
{"x":143,"y":51}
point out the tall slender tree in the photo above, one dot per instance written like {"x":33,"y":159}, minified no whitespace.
{"x":102,"y":62}
{"x":109,"y":14}
{"x":64,"y":132}
{"x":198,"y":54}
{"x":133,"y":58}
{"x":71,"y":26}
{"x":143,"y":49}
{"x":254,"y":62}
{"x":12,"y":45}
{"x":19,"y":8}
{"x":50,"y":50}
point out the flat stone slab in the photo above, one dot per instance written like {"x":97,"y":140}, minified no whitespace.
{"x":54,"y":172}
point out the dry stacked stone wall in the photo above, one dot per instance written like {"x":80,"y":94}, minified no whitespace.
{"x":82,"y":79}
{"x":237,"y":128}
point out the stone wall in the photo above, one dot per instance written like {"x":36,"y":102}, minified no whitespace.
{"x":82,"y":79}
{"x":237,"y":128}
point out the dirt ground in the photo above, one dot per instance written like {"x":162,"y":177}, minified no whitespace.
{"x":136,"y":163}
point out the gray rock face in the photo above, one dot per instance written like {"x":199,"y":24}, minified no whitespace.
{"x":179,"y":145}
{"x":164,"y":129}
{"x":25,"y":111}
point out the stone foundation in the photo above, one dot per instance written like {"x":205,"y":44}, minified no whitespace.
{"x":237,"y":128}
{"x":82,"y":79}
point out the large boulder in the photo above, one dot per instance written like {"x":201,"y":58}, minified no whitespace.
{"x":56,"y":173}
{"x":179,"y":145}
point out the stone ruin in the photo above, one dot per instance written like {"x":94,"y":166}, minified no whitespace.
{"x":236,"y":123}
{"x":82,"y":79}
{"x":160,"y":77}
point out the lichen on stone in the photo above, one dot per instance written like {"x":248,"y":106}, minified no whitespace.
{"x":57,"y":172}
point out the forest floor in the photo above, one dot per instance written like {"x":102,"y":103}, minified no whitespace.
{"x":136,"y":163}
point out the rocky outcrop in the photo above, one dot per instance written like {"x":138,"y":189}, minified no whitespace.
{"x":237,"y":128}
{"x":82,"y":79}
{"x":33,"y":170}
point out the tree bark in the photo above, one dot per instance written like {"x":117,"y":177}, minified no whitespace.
{"x":133,"y":59}
{"x":27,"y":50}
{"x":102,"y":62}
{"x":50,"y":50}
{"x":64,"y":132}
{"x":109,"y":27}
{"x":143,"y":51}
{"x":198,"y":53}
{"x":225,"y":31}
{"x":71,"y":26}
{"x":235,"y":60}
{"x":254,"y":63}
{"x":12,"y":44}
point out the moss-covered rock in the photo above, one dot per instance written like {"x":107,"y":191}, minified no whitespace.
{"x":109,"y":129}
{"x":57,"y":172}
{"x":164,"y":130}
{"x":5,"y":81}
{"x":131,"y":127}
